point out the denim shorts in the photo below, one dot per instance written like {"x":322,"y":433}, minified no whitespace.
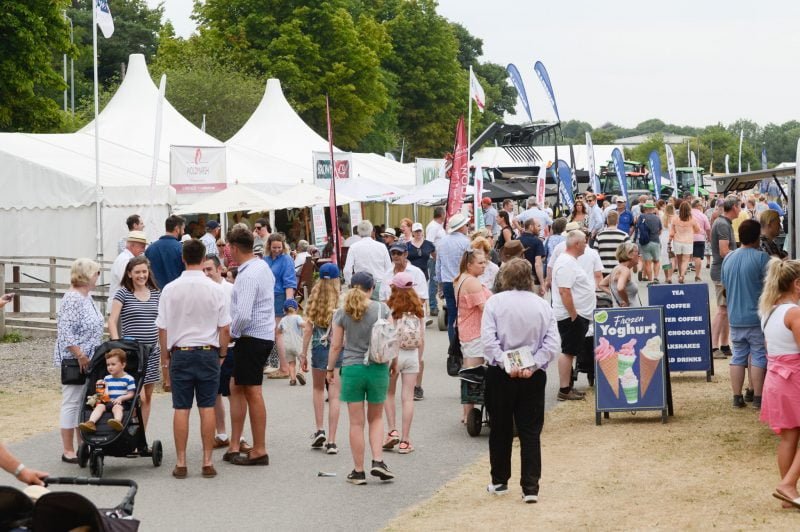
{"x":319,"y":358}
{"x":280,"y":299}
{"x":748,"y":342}
{"x":651,"y":251}
{"x":194,"y":374}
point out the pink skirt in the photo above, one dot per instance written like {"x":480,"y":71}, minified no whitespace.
{"x":780,"y":399}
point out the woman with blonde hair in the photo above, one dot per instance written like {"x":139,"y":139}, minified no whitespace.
{"x":351,"y":335}
{"x":667,"y":256}
{"x":780,"y":402}
{"x":620,"y":282}
{"x":322,"y":303}
{"x":80,"y":331}
{"x":770,"y":229}
{"x":681,"y":234}
{"x":409,"y":318}
{"x":487,"y":279}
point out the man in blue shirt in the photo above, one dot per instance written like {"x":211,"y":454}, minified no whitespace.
{"x":165,"y":253}
{"x":449,"y":251}
{"x":743,"y":274}
{"x":625,"y":221}
{"x":282,"y":267}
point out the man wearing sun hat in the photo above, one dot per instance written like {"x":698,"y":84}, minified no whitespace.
{"x":449,"y":251}
{"x":135,"y":243}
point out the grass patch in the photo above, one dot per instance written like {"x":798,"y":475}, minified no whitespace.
{"x":12,"y":337}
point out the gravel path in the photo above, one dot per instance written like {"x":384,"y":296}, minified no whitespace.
{"x":28,"y":363}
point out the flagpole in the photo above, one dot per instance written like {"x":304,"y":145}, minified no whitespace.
{"x":332,"y":197}
{"x":98,"y":189}
{"x":469,"y":116}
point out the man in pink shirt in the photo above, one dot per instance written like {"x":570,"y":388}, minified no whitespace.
{"x":701,"y":237}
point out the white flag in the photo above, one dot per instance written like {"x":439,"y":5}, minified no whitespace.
{"x":104,"y":20}
{"x":476,"y":91}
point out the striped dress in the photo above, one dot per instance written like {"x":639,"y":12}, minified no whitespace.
{"x":138,"y":320}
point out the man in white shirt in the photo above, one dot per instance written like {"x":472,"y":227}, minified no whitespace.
{"x":367,"y":255}
{"x":134,"y":222}
{"x":573,"y":306}
{"x":193,"y":319}
{"x":352,"y":239}
{"x":534,"y":211}
{"x":134,"y":246}
{"x":434,"y":232}
{"x":209,"y":239}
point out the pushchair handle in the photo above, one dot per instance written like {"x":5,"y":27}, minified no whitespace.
{"x":127,"y":501}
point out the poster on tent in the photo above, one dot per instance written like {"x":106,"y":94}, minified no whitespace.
{"x":428,"y":169}
{"x":320,"y":227}
{"x":629,"y":360}
{"x":355,"y":214}
{"x":322,"y":167}
{"x":197,"y":169}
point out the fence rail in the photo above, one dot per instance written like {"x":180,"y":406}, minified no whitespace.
{"x":41,"y":282}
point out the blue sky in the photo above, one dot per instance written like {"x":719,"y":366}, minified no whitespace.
{"x":624,"y":61}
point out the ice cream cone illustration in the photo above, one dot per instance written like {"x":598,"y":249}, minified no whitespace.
{"x":626,"y":356}
{"x":630,"y":386}
{"x":649,"y":359}
{"x":607,"y":360}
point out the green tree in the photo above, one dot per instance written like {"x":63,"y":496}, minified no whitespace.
{"x":574,"y":131}
{"x":603,"y":136}
{"x":314,"y":48}
{"x":34,"y":32}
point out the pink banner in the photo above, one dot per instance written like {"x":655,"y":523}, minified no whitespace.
{"x":459,"y":173}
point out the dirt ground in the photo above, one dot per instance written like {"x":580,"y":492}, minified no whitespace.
{"x":27,"y":409}
{"x":710,"y":466}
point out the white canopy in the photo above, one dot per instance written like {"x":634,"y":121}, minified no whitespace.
{"x":429,"y":193}
{"x":236,"y":197}
{"x":303,"y":195}
{"x":365,"y":189}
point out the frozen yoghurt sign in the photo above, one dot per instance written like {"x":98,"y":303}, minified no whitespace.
{"x":629,"y":360}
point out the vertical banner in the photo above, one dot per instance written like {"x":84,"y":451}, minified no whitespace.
{"x":477,"y":196}
{"x":428,"y":169}
{"x":764,"y":182}
{"x":693,"y":164}
{"x":541,"y":181}
{"x":564,"y":173}
{"x":619,"y":168}
{"x":741,"y":140}
{"x":629,"y":361}
{"x":655,"y":169}
{"x":573,"y":177}
{"x":727,"y":164}
{"x":459,"y":173}
{"x":320,"y":227}
{"x":673,"y":176}
{"x":593,"y":180}
{"x":687,"y":325}
{"x":541,"y":71}
{"x":355,"y":214}
{"x":516,"y":79}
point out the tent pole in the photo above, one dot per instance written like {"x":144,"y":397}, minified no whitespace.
{"x":386,"y":213}
{"x":98,"y":189}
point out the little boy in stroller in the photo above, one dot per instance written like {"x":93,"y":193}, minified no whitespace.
{"x":112,"y":391}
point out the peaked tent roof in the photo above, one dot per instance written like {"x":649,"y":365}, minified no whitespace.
{"x":129,"y":119}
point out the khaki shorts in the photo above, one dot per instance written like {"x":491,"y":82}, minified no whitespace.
{"x":722,"y":301}
{"x":408,"y":361}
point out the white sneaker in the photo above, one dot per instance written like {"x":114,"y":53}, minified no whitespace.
{"x":497,"y":489}
{"x":269,"y":369}
{"x":530,"y":499}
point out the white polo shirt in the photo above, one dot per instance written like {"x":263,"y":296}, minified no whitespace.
{"x":420,"y":283}
{"x":567,"y":273}
{"x":191,"y":309}
{"x":367,"y":255}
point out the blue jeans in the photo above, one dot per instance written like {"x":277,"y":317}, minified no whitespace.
{"x":452,"y":311}
{"x":432,"y":288}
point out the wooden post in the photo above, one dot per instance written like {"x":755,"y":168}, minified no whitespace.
{"x":15,"y":280}
{"x":2,"y":291}
{"x":52,"y":288}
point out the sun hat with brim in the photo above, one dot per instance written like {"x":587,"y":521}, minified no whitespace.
{"x":511,"y":249}
{"x":389,"y":232}
{"x":329,"y":271}
{"x":137,"y":236}
{"x":403,"y":280}
{"x":572,"y":226}
{"x":363,"y":280}
{"x":456,"y":222}
{"x":648,"y":205}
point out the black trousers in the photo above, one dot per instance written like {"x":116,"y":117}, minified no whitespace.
{"x":519,"y":401}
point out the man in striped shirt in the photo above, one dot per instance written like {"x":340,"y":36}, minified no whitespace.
{"x":608,"y":240}
{"x":253,"y":328}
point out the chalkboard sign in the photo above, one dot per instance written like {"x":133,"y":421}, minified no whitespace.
{"x":630,"y":370}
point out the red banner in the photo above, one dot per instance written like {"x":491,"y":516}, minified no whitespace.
{"x":335,"y":244}
{"x":459,"y":173}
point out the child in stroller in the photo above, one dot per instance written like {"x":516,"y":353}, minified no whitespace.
{"x":112,"y":391}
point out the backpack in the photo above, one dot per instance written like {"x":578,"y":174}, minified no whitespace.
{"x":383,"y":342}
{"x":644,"y":231}
{"x":408,"y":331}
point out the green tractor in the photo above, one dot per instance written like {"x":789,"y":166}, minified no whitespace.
{"x":685,"y":176}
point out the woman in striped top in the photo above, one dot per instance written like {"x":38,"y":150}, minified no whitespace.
{"x":133,"y":314}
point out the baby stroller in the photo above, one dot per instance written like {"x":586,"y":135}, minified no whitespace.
{"x":131,"y":441}
{"x":585,"y":362}
{"x":472,"y":391}
{"x":60,"y":510}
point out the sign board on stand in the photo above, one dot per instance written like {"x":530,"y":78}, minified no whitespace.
{"x":197,"y":169}
{"x":429,"y":169}
{"x":687,"y":325}
{"x":630,"y":369}
{"x":320,"y":227}
{"x":322,"y":167}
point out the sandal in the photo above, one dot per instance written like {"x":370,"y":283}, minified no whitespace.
{"x":405,"y":447}
{"x":392,"y":439}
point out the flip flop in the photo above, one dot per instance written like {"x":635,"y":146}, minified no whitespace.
{"x":782,"y":496}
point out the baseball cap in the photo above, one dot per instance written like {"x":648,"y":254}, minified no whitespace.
{"x":290,"y":303}
{"x":403,"y":280}
{"x":329,"y":271}
{"x":416,"y":227}
{"x":137,"y":236}
{"x":362,"y":280}
{"x":397,"y":246}
{"x":649,"y":205}
{"x":212,"y":224}
{"x":620,"y":199}
{"x":486,"y":201}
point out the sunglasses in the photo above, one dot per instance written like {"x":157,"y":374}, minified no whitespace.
{"x":259,"y":227}
{"x":398,"y":252}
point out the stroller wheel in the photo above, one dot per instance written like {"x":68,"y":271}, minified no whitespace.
{"x":474,"y":422}
{"x":157,"y":452}
{"x":441,"y":319}
{"x":96,"y":465}
{"x":83,"y":454}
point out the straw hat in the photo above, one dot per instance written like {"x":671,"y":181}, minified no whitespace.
{"x":511,"y":249}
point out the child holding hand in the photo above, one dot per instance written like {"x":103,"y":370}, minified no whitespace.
{"x":119,"y":386}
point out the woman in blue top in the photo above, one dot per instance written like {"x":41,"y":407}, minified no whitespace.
{"x":282,"y":266}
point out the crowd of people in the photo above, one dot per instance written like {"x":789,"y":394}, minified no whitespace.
{"x":214,"y":313}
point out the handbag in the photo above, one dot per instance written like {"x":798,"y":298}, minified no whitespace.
{"x":71,"y":372}
{"x":455,"y":358}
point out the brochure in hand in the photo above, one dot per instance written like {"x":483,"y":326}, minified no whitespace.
{"x":519,"y":358}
